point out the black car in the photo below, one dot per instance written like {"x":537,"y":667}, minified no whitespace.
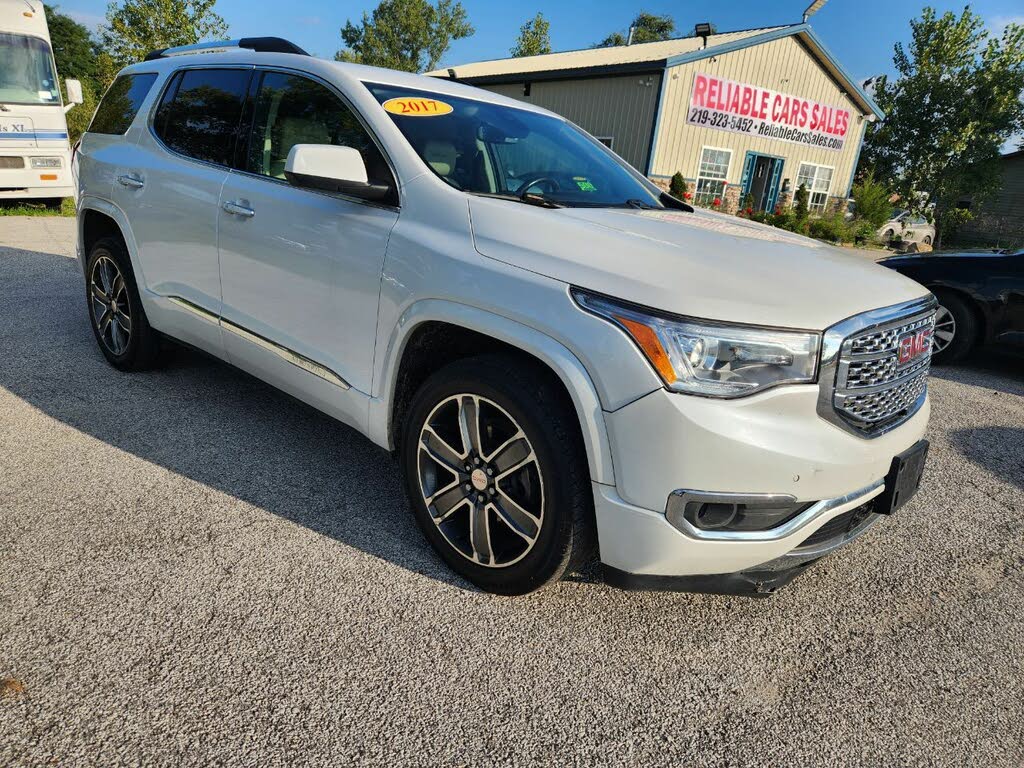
{"x":981,"y":298}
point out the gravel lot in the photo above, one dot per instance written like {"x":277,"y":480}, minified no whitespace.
{"x":196,"y":570}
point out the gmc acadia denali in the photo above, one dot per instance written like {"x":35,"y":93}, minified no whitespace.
{"x":562,"y":357}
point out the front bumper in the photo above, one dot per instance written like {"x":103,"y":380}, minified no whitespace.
{"x":772,"y":443}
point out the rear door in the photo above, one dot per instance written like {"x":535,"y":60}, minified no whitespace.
{"x":169,"y":187}
{"x":301,"y":268}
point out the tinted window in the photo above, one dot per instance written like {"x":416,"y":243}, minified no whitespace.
{"x":492,"y":149}
{"x":121,"y":103}
{"x":294,"y":110}
{"x":200,"y":113}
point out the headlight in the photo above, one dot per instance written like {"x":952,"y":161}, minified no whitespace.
{"x":709,"y":359}
{"x":45,"y":162}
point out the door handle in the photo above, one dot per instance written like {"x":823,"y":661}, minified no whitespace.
{"x":238,"y":209}
{"x":131,"y":180}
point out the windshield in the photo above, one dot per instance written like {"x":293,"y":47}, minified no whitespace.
{"x":489,"y":149}
{"x":26,"y":71}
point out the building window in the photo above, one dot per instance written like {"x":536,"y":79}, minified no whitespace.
{"x":608,"y":141}
{"x":818,"y":180}
{"x":714,"y":170}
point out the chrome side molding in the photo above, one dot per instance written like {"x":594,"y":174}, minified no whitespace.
{"x":290,"y":355}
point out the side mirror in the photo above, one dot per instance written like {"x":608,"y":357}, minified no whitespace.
{"x":332,"y":169}
{"x":74,"y":91}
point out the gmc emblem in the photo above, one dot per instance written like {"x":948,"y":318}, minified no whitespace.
{"x":913,"y":345}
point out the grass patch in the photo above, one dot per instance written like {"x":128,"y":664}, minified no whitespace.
{"x":37,"y":208}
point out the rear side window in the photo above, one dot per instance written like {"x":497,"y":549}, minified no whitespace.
{"x":200,"y":113}
{"x":121,"y":103}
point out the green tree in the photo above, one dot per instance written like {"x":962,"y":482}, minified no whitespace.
{"x":872,"y":200}
{"x":140,"y":26}
{"x":647,"y":28}
{"x":955,"y":102}
{"x":410,"y":35}
{"x":534,"y":37}
{"x":74,"y":50}
{"x":106,"y":71}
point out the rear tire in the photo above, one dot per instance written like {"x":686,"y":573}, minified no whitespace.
{"x":956,"y":329}
{"x":507,"y":530}
{"x":118,"y":320}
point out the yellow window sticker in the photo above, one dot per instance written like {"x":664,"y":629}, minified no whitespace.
{"x":413,"y":106}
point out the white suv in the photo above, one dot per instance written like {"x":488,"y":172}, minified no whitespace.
{"x":562,"y":357}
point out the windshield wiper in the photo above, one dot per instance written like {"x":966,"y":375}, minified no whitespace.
{"x":637,"y":203}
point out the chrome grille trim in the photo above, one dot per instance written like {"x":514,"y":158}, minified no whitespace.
{"x":862,"y":389}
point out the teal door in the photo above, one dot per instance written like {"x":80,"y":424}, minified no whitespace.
{"x":762,"y":175}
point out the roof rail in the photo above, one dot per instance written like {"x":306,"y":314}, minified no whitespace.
{"x":260,"y":44}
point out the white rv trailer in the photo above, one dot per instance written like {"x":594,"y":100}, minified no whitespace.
{"x":35,"y":157}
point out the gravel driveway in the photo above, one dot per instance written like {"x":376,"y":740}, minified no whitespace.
{"x":197,"y":570}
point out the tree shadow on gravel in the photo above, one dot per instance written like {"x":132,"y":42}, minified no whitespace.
{"x":999,"y":450}
{"x":203,"y":419}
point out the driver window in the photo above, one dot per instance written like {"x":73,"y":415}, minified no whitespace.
{"x":292,"y":110}
{"x":538,"y":157}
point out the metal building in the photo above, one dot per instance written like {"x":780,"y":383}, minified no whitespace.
{"x":750,"y":113}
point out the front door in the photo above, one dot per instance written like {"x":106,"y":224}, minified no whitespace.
{"x":761,"y":181}
{"x":301,"y":269}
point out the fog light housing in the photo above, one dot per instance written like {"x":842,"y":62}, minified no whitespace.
{"x":695,"y":512}
{"x":45,"y":162}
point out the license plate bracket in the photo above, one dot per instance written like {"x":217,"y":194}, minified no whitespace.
{"x":904,"y":478}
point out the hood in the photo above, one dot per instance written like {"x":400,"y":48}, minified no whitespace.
{"x":701,"y":264}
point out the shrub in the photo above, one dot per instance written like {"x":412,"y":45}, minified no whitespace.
{"x":864,"y":232}
{"x":801,"y":202}
{"x":951,"y":222}
{"x":833,"y":228}
{"x":872,"y":201}
{"x":677,"y":187}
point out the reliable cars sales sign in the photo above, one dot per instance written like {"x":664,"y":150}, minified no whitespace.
{"x":756,"y":111}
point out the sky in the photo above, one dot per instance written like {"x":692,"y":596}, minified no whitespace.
{"x":860,"y":33}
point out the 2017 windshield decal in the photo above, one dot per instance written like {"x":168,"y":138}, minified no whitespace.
{"x":412,"y":106}
{"x":755,"y":111}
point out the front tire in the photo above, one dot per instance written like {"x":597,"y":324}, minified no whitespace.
{"x":956,"y":329}
{"x":116,"y":315}
{"x":496,"y":474}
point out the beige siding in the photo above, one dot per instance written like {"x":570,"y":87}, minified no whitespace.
{"x":782,"y":65}
{"x":621,"y":108}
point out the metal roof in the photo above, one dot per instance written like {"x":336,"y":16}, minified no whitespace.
{"x":639,"y":53}
{"x":591,"y":62}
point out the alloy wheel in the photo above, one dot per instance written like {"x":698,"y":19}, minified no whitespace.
{"x":111,"y":311}
{"x":945,"y":329}
{"x":481,"y":480}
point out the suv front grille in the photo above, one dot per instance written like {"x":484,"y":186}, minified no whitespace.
{"x":8,"y":163}
{"x":871,"y":391}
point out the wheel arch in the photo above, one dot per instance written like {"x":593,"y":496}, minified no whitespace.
{"x":976,"y":306}
{"x":459,"y":330}
{"x":99,"y":218}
